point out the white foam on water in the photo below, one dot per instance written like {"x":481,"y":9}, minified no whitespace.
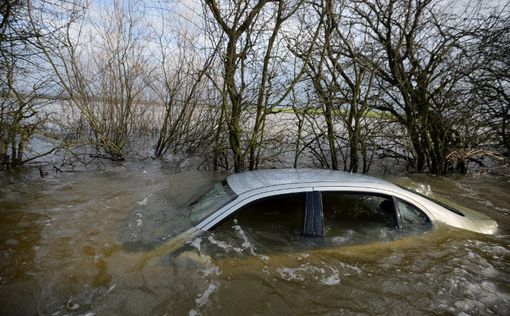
{"x":351,"y":268}
{"x":72,"y":305}
{"x":263,"y":258}
{"x":291,"y":274}
{"x":196,"y":243}
{"x":424,"y":189}
{"x":303,"y":256}
{"x":223,"y":245}
{"x":204,"y":261}
{"x":211,"y":270}
{"x":111,"y":288}
{"x":138,"y":219}
{"x":333,"y":279}
{"x":300,"y":273}
{"x":500,"y":250}
{"x":204,"y":297}
{"x":343,"y":238}
{"x":193,"y":313}
{"x":476,"y":297}
{"x":143,"y":202}
{"x":468,"y":305}
{"x":247,"y":244}
{"x":475,"y":262}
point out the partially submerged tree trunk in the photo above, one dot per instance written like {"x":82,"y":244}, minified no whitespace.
{"x":343,"y":86}
{"x":417,"y":45}
{"x":107,"y":91}
{"x":20,"y":110}
{"x":242,"y":23}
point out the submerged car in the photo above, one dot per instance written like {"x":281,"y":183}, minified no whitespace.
{"x":321,"y":203}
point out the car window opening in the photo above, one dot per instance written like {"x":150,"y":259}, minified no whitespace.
{"x":282,"y":214}
{"x":352,"y":217}
{"x":411,"y":216}
{"x":387,"y":207}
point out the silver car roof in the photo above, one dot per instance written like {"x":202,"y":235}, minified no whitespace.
{"x":252,"y":180}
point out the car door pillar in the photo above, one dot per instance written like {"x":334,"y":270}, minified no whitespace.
{"x":398,"y":217}
{"x":313,"y":218}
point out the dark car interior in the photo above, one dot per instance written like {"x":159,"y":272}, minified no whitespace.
{"x":335,"y":217}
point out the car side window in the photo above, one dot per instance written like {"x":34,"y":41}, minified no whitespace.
{"x":272,"y":223}
{"x":410,"y":215}
{"x":351,"y":217}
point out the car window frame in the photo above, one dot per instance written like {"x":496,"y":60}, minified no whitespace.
{"x":243,"y":200}
{"x":397,"y":194}
{"x":313,"y":217}
{"x":391,"y":197}
{"x":397,"y":207}
{"x":261,"y":199}
{"x":251,"y":196}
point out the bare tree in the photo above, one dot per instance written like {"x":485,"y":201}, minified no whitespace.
{"x":254,"y":63}
{"x":188,"y":115}
{"x":490,"y":81}
{"x":21,"y":117}
{"x":343,"y":85}
{"x":102,"y":72}
{"x":421,"y":52}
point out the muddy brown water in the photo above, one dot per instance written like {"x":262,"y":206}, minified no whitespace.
{"x":96,"y":243}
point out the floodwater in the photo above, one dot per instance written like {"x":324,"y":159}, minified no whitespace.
{"x":98,"y":243}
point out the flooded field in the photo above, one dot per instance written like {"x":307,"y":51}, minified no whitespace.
{"x":99,"y":243}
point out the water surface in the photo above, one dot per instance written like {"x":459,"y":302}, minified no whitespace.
{"x":98,"y":243}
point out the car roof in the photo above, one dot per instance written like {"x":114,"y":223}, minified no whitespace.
{"x":258,"y":179}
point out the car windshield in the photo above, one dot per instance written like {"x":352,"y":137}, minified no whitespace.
{"x":219,"y":196}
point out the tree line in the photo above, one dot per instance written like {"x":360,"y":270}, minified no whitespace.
{"x":251,"y":83}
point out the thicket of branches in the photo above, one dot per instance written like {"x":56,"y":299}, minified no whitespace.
{"x":251,"y":83}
